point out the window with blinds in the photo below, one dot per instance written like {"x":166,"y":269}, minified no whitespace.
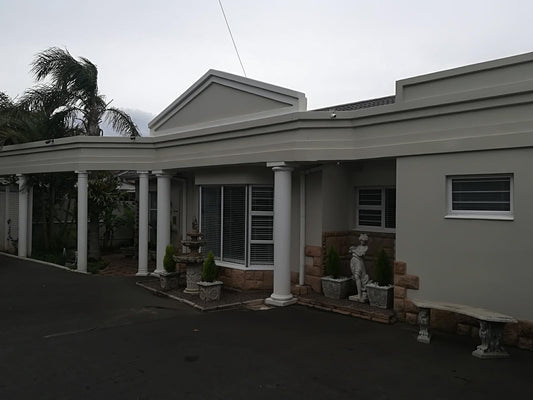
{"x":211,"y":223}
{"x":234,"y":224}
{"x":376,"y":208}
{"x":237,"y":222}
{"x":480,"y":195}
{"x":262,"y":225}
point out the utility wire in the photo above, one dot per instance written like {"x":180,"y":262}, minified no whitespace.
{"x":231,"y":35}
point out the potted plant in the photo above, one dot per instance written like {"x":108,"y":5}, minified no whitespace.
{"x":381,"y":291}
{"x":334,"y":286}
{"x":210,"y":288}
{"x":169,"y":278}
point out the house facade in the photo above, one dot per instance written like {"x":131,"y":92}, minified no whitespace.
{"x":439,"y":175}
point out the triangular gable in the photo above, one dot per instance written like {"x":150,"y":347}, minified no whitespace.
{"x":219,"y":97}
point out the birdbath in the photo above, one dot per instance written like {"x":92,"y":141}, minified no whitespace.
{"x":193,"y":260}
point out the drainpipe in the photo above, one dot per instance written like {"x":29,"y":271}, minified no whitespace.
{"x":301,"y":275}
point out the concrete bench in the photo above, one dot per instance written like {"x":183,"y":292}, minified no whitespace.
{"x":490,"y":330}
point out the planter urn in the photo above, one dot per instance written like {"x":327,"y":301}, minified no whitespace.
{"x":209,"y":291}
{"x":336,"y":288}
{"x":380,"y":296}
{"x":168,"y":280}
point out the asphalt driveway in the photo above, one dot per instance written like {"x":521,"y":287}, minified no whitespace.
{"x":65,"y":335}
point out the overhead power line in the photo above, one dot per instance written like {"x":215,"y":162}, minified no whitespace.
{"x":231,"y":35}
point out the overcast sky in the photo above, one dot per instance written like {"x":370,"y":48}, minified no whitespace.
{"x":335,"y":51}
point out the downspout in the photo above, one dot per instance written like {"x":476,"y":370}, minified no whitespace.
{"x":301,"y":275}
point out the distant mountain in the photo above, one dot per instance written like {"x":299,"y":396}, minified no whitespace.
{"x":139,"y":117}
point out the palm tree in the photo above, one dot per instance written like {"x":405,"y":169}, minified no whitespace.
{"x":79,"y":78}
{"x":42,"y":113}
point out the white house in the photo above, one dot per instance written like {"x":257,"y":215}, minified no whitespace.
{"x":439,"y":174}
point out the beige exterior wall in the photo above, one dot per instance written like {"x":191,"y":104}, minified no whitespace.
{"x":485,"y":263}
{"x":313,"y":208}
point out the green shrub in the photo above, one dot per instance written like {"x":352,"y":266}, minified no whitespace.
{"x":210,"y":269}
{"x":95,"y":266}
{"x":383,"y":269}
{"x":333,"y":263}
{"x":168,"y":261}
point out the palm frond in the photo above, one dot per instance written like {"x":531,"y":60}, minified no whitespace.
{"x":121,"y":122}
{"x":65,"y":71}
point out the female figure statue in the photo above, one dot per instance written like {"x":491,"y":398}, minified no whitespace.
{"x":357,"y":265}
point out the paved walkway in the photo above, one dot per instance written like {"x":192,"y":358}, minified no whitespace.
{"x":65,"y":335}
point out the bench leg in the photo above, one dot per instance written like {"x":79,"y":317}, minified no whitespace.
{"x":491,"y":334}
{"x":423,"y":320}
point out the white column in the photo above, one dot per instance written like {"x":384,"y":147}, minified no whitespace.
{"x":301,"y":274}
{"x":281,"y":295}
{"x":30,"y":220}
{"x":143,"y":223}
{"x":23,"y":216}
{"x":82,"y":221}
{"x":163,"y":218}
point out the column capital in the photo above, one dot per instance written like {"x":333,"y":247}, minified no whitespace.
{"x":143,"y":172}
{"x":287,"y":169}
{"x":280,"y":166}
{"x":81,"y":172}
{"x":162,"y":173}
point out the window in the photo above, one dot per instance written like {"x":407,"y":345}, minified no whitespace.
{"x":480,"y":196}
{"x":237,"y":222}
{"x":376,"y":209}
{"x":262,"y":225}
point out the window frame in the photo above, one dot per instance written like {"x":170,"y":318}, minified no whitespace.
{"x":251,"y":214}
{"x":479,"y":214}
{"x":382,"y":208}
{"x":248,"y":228}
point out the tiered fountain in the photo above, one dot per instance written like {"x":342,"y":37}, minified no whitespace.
{"x":193,"y":260}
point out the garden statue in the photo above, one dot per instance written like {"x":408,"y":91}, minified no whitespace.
{"x":357,"y":265}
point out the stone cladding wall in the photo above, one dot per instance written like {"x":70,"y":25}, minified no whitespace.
{"x":342,"y":241}
{"x":247,"y":280}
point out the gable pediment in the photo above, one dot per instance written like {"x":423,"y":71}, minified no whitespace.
{"x":219,"y":98}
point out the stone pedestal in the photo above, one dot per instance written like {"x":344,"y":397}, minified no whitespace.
{"x":194,"y":275}
{"x":491,"y":334}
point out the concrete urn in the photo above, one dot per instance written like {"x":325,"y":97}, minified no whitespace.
{"x":168,"y":280}
{"x":209,"y":291}
{"x":380,"y":296}
{"x":336,"y":288}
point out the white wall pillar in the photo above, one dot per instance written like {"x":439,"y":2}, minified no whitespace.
{"x":23,"y":216}
{"x":30,"y":221}
{"x":281,"y":295}
{"x":143,"y":223}
{"x":163,"y":218}
{"x":82,"y":220}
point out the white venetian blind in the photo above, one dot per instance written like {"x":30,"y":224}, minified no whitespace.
{"x":262,"y":225}
{"x":234,"y":224}
{"x":211,"y":221}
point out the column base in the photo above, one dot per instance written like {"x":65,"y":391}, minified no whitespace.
{"x":281,"y":303}
{"x":156,"y":273}
{"x":142,"y":274}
